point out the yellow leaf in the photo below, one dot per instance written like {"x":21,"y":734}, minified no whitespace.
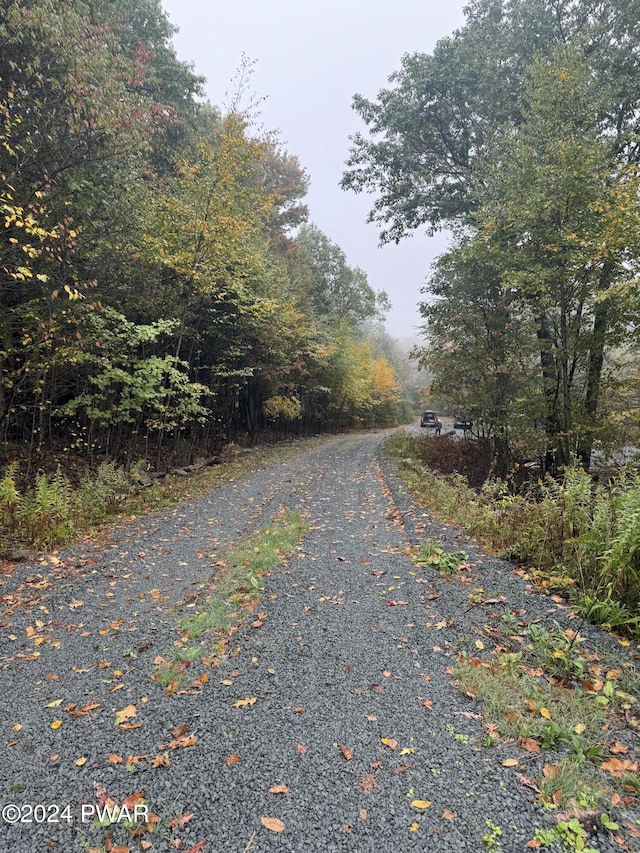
{"x":272,"y":823}
{"x":81,"y":761}
{"x":415,"y":826}
{"x":242,"y":703}
{"x":510,"y":762}
{"x":125,"y":714}
{"x":56,"y":724}
{"x":421,"y":804}
{"x":479,"y":644}
{"x":408,"y":750}
{"x":544,"y":712}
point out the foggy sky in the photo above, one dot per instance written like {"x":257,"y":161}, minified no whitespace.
{"x":309,"y":59}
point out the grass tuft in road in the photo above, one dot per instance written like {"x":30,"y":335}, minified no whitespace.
{"x":235,"y":596}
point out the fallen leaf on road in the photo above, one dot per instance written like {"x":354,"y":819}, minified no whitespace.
{"x":125,"y":714}
{"x":180,"y":820}
{"x":421,"y":804}
{"x":620,"y":768}
{"x":347,"y":752}
{"x":272,"y":823}
{"x":619,"y":748}
{"x":447,"y":814}
{"x":279,"y":789}
{"x":389,"y":741}
{"x":368,"y":783}
{"x":530,"y":745}
{"x":242,"y":703}
{"x":232,"y":759}
{"x":510,"y":762}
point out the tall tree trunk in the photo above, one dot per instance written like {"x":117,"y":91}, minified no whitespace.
{"x":596,"y":361}
{"x":550,"y":384}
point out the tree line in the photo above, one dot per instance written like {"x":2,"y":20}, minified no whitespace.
{"x":161,"y":286}
{"x":520,"y":134}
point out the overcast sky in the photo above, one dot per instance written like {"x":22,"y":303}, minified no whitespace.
{"x":311,"y":57}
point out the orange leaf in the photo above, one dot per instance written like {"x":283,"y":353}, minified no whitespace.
{"x":362,"y":814}
{"x":535,"y":842}
{"x":530,"y":745}
{"x":115,"y":759}
{"x":160,"y":761}
{"x":232,"y":759}
{"x":279,"y":789}
{"x":447,"y":814}
{"x":389,"y":741}
{"x":510,"y":762}
{"x":272,"y":823}
{"x":347,"y":752}
{"x":619,"y":768}
{"x":619,"y":748}
{"x":301,"y":749}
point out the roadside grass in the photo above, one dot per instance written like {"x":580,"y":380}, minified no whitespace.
{"x":541,"y":692}
{"x":572,"y":535}
{"x":51,"y":513}
{"x":234,"y":596}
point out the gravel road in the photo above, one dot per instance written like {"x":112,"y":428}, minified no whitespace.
{"x":355,"y":640}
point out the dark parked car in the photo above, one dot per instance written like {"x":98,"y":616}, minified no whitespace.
{"x":428,"y":419}
{"x":462,"y":422}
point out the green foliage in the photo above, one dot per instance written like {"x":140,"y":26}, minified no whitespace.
{"x":51,"y":513}
{"x":516,"y":133}
{"x":435,"y":557}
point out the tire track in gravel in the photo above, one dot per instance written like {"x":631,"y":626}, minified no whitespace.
{"x":356,"y":639}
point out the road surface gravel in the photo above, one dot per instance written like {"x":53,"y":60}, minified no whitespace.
{"x":356,"y":638}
